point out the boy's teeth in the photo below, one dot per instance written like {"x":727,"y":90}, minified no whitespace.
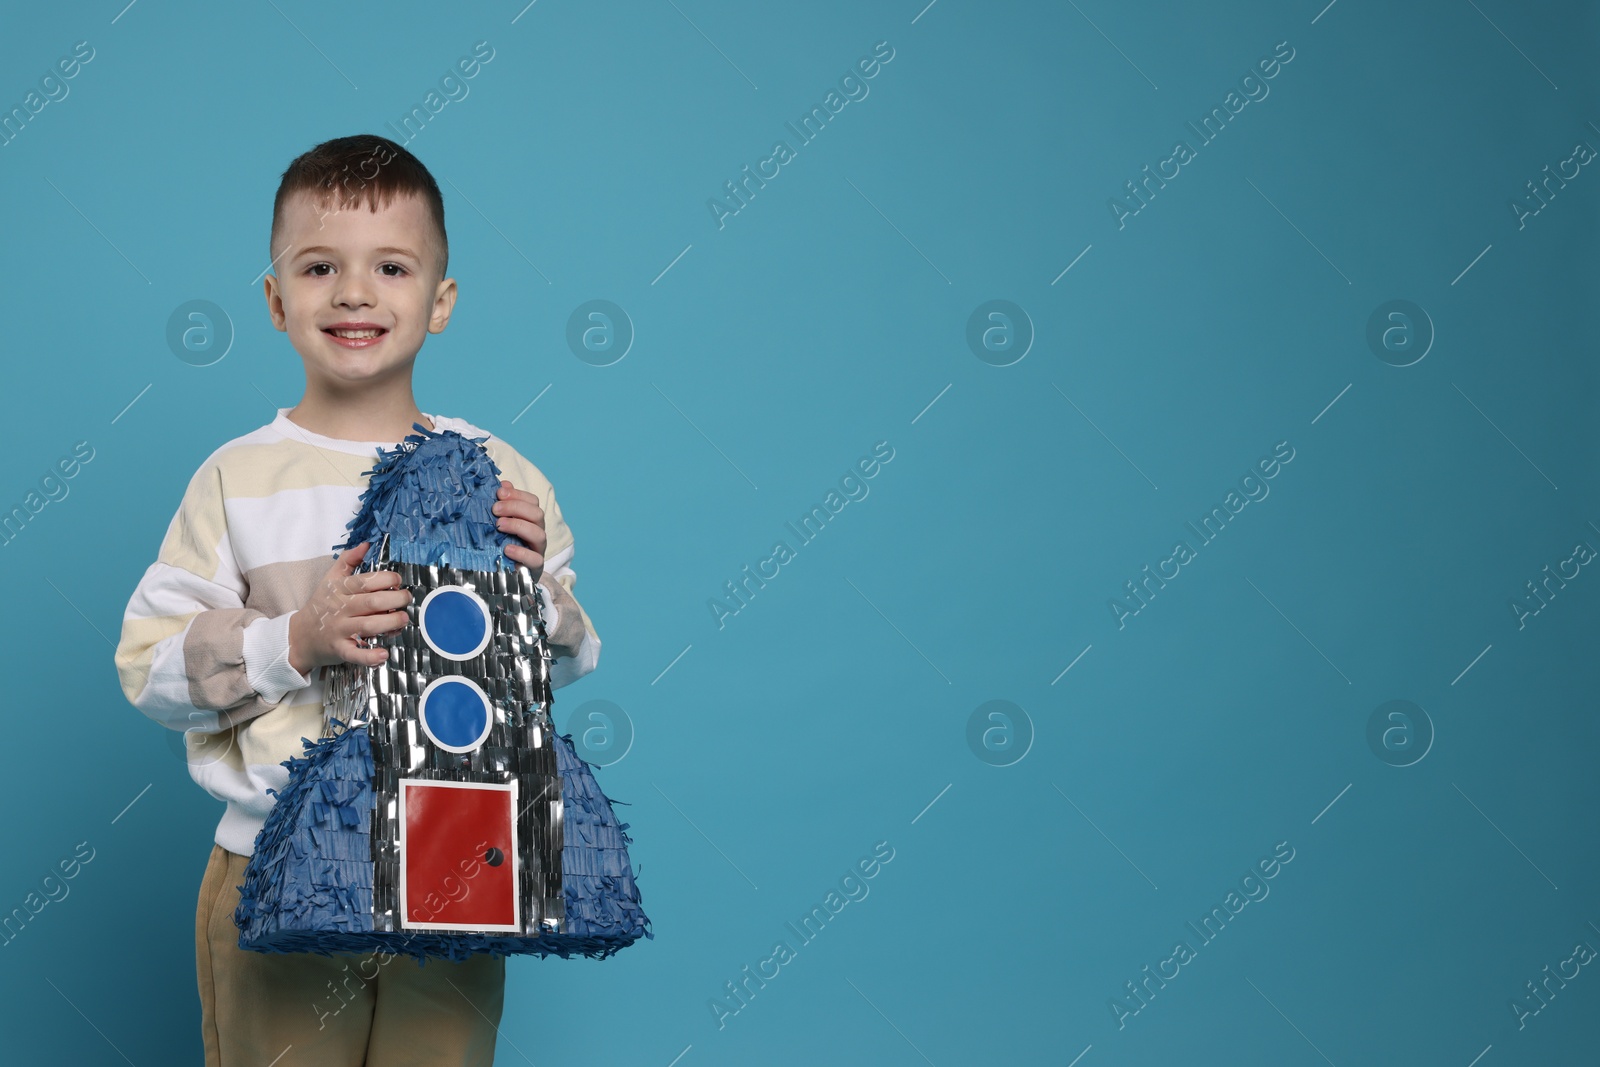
{"x":355,"y":333}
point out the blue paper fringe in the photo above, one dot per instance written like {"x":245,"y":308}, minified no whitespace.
{"x":312,"y":866}
{"x":433,"y":494}
{"x":308,"y":887}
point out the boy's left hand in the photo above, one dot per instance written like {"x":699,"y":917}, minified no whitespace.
{"x":522,"y":518}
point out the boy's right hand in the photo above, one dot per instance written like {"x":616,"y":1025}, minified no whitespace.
{"x":344,"y":606}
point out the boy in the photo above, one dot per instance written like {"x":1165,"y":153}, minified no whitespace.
{"x":228,"y":630}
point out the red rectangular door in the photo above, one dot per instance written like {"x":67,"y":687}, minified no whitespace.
{"x":458,"y":855}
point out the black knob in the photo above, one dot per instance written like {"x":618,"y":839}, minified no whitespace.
{"x":494,"y":857}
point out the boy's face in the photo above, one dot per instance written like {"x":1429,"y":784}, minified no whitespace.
{"x":337,"y":265}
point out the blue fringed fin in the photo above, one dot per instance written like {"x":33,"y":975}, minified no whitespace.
{"x":598,"y":888}
{"x":312,"y":864}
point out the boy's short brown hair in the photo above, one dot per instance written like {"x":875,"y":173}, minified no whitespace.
{"x":362,"y":169}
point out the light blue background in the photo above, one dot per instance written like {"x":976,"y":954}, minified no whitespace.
{"x":831,"y":713}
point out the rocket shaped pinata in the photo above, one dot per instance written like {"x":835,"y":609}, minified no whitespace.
{"x":439,"y":814}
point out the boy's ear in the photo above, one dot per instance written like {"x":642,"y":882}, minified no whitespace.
{"x":269,"y":283}
{"x":444,"y":301}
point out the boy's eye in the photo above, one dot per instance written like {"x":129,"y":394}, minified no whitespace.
{"x":312,"y":270}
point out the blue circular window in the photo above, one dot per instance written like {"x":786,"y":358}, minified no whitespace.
{"x":455,"y":622}
{"x":455,"y":713}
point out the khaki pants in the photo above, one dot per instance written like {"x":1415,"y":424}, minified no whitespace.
{"x":347,"y":1010}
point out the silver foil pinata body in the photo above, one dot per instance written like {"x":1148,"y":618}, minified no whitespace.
{"x":439,"y":814}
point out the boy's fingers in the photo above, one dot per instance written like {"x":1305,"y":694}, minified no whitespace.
{"x":381,"y":601}
{"x":363,"y":656}
{"x":522,"y":507}
{"x":341,"y":573}
{"x":368,"y":626}
{"x":528,"y":557}
{"x":366,"y":582}
{"x":350,"y":558}
{"x":529,"y":531}
{"x":378,"y":622}
{"x":374,"y":580}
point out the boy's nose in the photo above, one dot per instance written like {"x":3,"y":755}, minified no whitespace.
{"x":353,"y":292}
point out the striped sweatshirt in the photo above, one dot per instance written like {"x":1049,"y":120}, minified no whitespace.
{"x":205,"y":637}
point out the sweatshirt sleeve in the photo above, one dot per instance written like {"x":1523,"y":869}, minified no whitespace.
{"x":574,"y":643}
{"x":191,"y":655}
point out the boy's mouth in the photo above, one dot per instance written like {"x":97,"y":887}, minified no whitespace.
{"x":355,"y":335}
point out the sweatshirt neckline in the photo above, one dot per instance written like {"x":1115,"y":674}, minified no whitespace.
{"x":293,"y":431}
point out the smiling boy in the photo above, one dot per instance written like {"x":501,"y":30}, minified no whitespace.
{"x":226,"y":634}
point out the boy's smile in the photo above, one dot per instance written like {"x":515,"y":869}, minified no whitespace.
{"x":355,"y":334}
{"x":357,"y":290}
